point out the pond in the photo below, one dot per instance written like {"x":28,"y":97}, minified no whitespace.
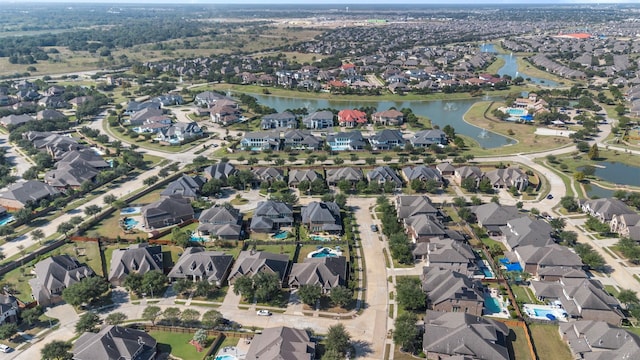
{"x":510,"y":67}
{"x":596,"y":192}
{"x":441,"y":113}
{"x":617,"y":173}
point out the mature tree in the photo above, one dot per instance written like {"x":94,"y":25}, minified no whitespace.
{"x":87,"y":323}
{"x":341,"y":296}
{"x":115,"y":318}
{"x":569,"y":203}
{"x":133,"y":282}
{"x":568,"y":238}
{"x":109,"y":199}
{"x":628,"y":298}
{"x":310,"y":294}
{"x":56,"y":350}
{"x":200,"y":337}
{"x":485,"y":186}
{"x":181,"y":286}
{"x":7,"y":330}
{"x":85,"y":291}
{"x":469,"y":184}
{"x":558,"y":223}
{"x":589,"y":256}
{"x":31,"y":316}
{"x":594,"y":152}
{"x":154,"y":281}
{"x":406,"y":332}
{"x":37,"y":235}
{"x":212,"y":318}
{"x":337,"y":339}
{"x":244,"y":286}
{"x":92,"y":210}
{"x":172,"y":315}
{"x":190,"y":316}
{"x":409,"y":293}
{"x":64,"y":228}
{"x":151,"y":313}
{"x":267,"y":286}
{"x":332,"y":354}
{"x":204,"y":288}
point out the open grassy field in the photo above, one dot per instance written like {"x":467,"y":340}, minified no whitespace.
{"x":526,"y":69}
{"x":518,"y":344}
{"x":548,"y":343}
{"x":178,"y":344}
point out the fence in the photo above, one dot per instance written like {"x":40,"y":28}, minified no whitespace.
{"x":527,"y":334}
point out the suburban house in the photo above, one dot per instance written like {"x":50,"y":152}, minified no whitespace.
{"x":448,"y":254}
{"x":318,"y":120}
{"x":351,"y":140}
{"x":50,"y":115}
{"x":55,"y":145}
{"x":15,"y":120}
{"x":143,"y":116}
{"x":134,"y":107}
{"x":8,"y":308}
{"x":549,"y":263}
{"x":137,"y":258}
{"x":464,"y":172}
{"x":209,"y":99}
{"x":284,"y":120}
{"x":21,"y":194}
{"x":270,"y":215}
{"x":115,"y":342}
{"x":297,"y":176}
{"x":605,"y":209}
{"x":179,"y":132}
{"x":388,"y":117}
{"x":445,"y":169}
{"x":301,"y":140}
{"x":260,"y":140}
{"x":168,"y":100}
{"x":219,"y":171}
{"x":422,"y":173}
{"x":327,"y":272}
{"x":426,"y":138}
{"x":452,"y":291}
{"x":412,"y":205}
{"x":225,"y":114}
{"x":75,"y":168}
{"x":282,"y":343}
{"x":223,"y":222}
{"x":198,"y":264}
{"x":589,"y":339}
{"x":268,"y":175}
{"x":166,"y":211}
{"x":322,"y":217}
{"x":506,"y":178}
{"x":387,"y":139}
{"x":383,"y":175}
{"x":627,"y":225}
{"x":422,"y":227}
{"x":493,"y":217}
{"x":186,"y":186}
{"x":54,"y":274}
{"x":526,"y":231}
{"x":352,"y":118}
{"x":584,"y":299}
{"x":348,"y":174}
{"x":450,"y":335}
{"x":252,"y":262}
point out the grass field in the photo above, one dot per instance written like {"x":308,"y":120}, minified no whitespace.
{"x":178,"y":344}
{"x":518,"y":344}
{"x":548,"y":343}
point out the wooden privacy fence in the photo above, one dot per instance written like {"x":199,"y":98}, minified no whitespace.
{"x":527,"y":334}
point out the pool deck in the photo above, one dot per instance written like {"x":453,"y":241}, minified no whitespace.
{"x":557,"y":312}
{"x":504,"y":312}
{"x":239,"y":351}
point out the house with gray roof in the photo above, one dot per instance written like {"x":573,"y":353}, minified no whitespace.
{"x":296,"y":176}
{"x":134,"y":107}
{"x":349,"y":174}
{"x":493,"y":216}
{"x":260,"y":140}
{"x":318,"y":120}
{"x":605,"y":209}
{"x":452,"y":291}
{"x":327,"y":272}
{"x":464,"y":172}
{"x":8,"y":308}
{"x":301,"y":140}
{"x":584,"y":299}
{"x":15,"y":120}
{"x":115,"y":343}
{"x":426,"y":138}
{"x":422,"y":173}
{"x":70,"y":175}
{"x":627,"y":225}
{"x":282,"y":343}
{"x":53,"y":275}
{"x":55,"y":145}
{"x":50,"y":115}
{"x":209,"y":98}
{"x":223,"y":222}
{"x":549,"y":263}
{"x":252,"y":262}
{"x":166,"y":212}
{"x":283,"y":120}
{"x":526,"y":231}
{"x":20,"y":194}
{"x":599,"y":340}
{"x":445,"y":253}
{"x":198,"y":264}
{"x":506,"y":178}
{"x":322,"y":216}
{"x":383,"y":175}
{"x":87,"y":156}
{"x":423,"y":227}
{"x":268,"y":175}
{"x":349,"y":140}
{"x":412,"y":205}
{"x":387,"y":139}
{"x":445,"y":169}
{"x":464,"y":336}
{"x":270,"y":215}
{"x":140,"y":117}
{"x":219,"y":171}
{"x":137,"y":258}
{"x":179,"y":132}
{"x":186,"y":186}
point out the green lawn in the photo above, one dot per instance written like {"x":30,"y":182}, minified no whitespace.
{"x":518,"y":344}
{"x":548,"y":343}
{"x":278,"y":249}
{"x":19,"y":282}
{"x":86,"y":252}
{"x":524,"y":293}
{"x":178,"y":344}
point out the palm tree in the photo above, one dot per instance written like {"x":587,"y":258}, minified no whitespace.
{"x":37,"y":235}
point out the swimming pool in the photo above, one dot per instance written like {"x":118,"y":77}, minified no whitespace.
{"x":516,"y":112}
{"x":545,"y":312}
{"x":511,"y":266}
{"x":324,"y":252}
{"x":319,"y":238}
{"x":281,"y":235}
{"x":195,"y":238}
{"x":492,"y":304}
{"x":226,"y":357}
{"x":130,"y":223}
{"x":130,"y":210}
{"x":6,"y":219}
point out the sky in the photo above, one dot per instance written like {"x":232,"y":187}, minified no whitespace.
{"x":340,"y":2}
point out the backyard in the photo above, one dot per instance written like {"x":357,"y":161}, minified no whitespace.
{"x":518,"y":344}
{"x":548,"y":343}
{"x":178,"y":344}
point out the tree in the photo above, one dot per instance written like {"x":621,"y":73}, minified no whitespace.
{"x":469,"y":184}
{"x":87,"y":323}
{"x":92,"y":210}
{"x":7,"y":330}
{"x":569,"y":203}
{"x":485,"y":186}
{"x":267,"y":286}
{"x":341,"y":296}
{"x":64,"y":228}
{"x":211,"y":319}
{"x":406,"y":332}
{"x":569,"y":238}
{"x":151,"y":313}
{"x":310,"y":294}
{"x":589,"y":256}
{"x":409,"y":293}
{"x":31,"y":316}
{"x":337,"y":339}
{"x":133,"y":282}
{"x":594,"y":152}
{"x":56,"y":350}
{"x":85,"y":291}
{"x":628,"y":298}
{"x":109,"y":199}
{"x":200,"y":337}
{"x":115,"y":318}
{"x":154,"y":281}
{"x":181,"y":286}
{"x":204,"y":288}
{"x":150,"y":180}
{"x":557,"y":223}
{"x":37,"y":235}
{"x":172,"y":315}
{"x":190,"y":316}
{"x":244,"y":286}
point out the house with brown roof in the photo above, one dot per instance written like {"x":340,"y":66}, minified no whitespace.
{"x":388,"y":117}
{"x":281,"y":343}
{"x":452,"y":291}
{"x":327,"y":272}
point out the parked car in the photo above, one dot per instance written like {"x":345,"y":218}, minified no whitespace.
{"x":4,"y":348}
{"x":263,"y":312}
{"x":374,"y":228}
{"x":549,"y":196}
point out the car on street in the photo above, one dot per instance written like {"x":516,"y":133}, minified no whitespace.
{"x":549,"y":196}
{"x":4,"y":348}
{"x":263,"y":312}
{"x":374,"y":228}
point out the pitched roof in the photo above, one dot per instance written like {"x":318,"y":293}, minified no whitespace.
{"x":344,"y":173}
{"x":56,"y":273}
{"x":185,"y":185}
{"x":492,"y":215}
{"x":220,"y":171}
{"x":426,"y":225}
{"x":506,"y":177}
{"x":598,"y":340}
{"x":446,"y":285}
{"x":421,"y":172}
{"x":30,"y":190}
{"x":607,"y":207}
{"x":527,"y":231}
{"x":251,"y":262}
{"x":115,"y":343}
{"x":411,"y":205}
{"x":138,"y":258}
{"x":174,"y":206}
{"x":296,"y":176}
{"x":383,"y":174}
{"x":196,"y":262}
{"x":281,"y":343}
{"x":325,"y":212}
{"x":552,"y":255}
{"x":328,"y":272}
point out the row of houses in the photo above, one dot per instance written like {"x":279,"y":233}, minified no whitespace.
{"x":621,"y":218}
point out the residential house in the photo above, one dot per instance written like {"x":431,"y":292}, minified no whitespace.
{"x":422,"y":173}
{"x":322,"y":216}
{"x":198,"y":264}
{"x":413,"y":205}
{"x":301,"y":140}
{"x":168,"y":100}
{"x":80,"y":100}
{"x":465,"y":172}
{"x":15,"y":120}
{"x":318,"y":120}
{"x":626,"y":225}
{"x":50,"y":115}
{"x":134,"y":107}
{"x":422,"y":227}
{"x":549,"y":263}
{"x":186,"y":186}
{"x":584,"y":299}
{"x":268,"y":175}
{"x":260,"y":140}
{"x":284,"y":120}
{"x":166,"y":211}
{"x":225,"y":115}
{"x":70,"y":175}
{"x":506,"y":178}
{"x":348,"y":174}
{"x":21,"y":194}
{"x":252,"y":262}
{"x":297,"y":176}
{"x":137,"y":258}
{"x":8,"y":308}
{"x":115,"y":342}
{"x":605,"y":209}
{"x":452,"y":291}
{"x":179,"y":132}
{"x":223,"y":222}
{"x":448,"y":254}
{"x":446,"y":169}
{"x":282,"y":343}
{"x":526,"y":231}
{"x":53,"y":275}
{"x":270,"y":215}
{"x":326,"y":272}
{"x":493,"y":217}
{"x":449,"y":335}
{"x":383,"y":175}
{"x":352,"y":118}
{"x":388,"y":117}
{"x":387,"y":139}
{"x":220,"y":171}
{"x":209,"y":99}
{"x":589,"y":339}
{"x":351,"y":140}
{"x":55,"y":145}
{"x":426,"y":138}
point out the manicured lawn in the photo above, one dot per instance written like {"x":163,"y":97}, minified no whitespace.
{"x":19,"y":282}
{"x":277,"y":249}
{"x":86,"y":252}
{"x":548,"y":343}
{"x":149,"y":198}
{"x":110,"y":228}
{"x":518,"y":344}
{"x":178,"y":344}
{"x":523,"y":293}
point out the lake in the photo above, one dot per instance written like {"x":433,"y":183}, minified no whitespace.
{"x":510,"y":67}
{"x":617,"y":173}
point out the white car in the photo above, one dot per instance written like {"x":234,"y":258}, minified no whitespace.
{"x":263,"y":312}
{"x":4,"y":348}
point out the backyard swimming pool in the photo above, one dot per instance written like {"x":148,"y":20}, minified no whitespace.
{"x":324,"y":252}
{"x":226,"y":357}
{"x":6,"y":219}
{"x":130,"y":223}
{"x":511,"y":266}
{"x":130,"y":211}
{"x":545,"y":312}
{"x":281,"y":235}
{"x":492,"y":304}
{"x":196,"y":238}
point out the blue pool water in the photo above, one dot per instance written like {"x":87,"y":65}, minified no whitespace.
{"x":511,"y":266}
{"x":319,"y":238}
{"x":324,"y":253}
{"x":195,"y":238}
{"x":487,"y":272}
{"x":516,"y":112}
{"x":130,"y":210}
{"x":130,"y":223}
{"x":281,"y":235}
{"x":492,"y":304}
{"x":6,"y":219}
{"x":226,"y":357}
